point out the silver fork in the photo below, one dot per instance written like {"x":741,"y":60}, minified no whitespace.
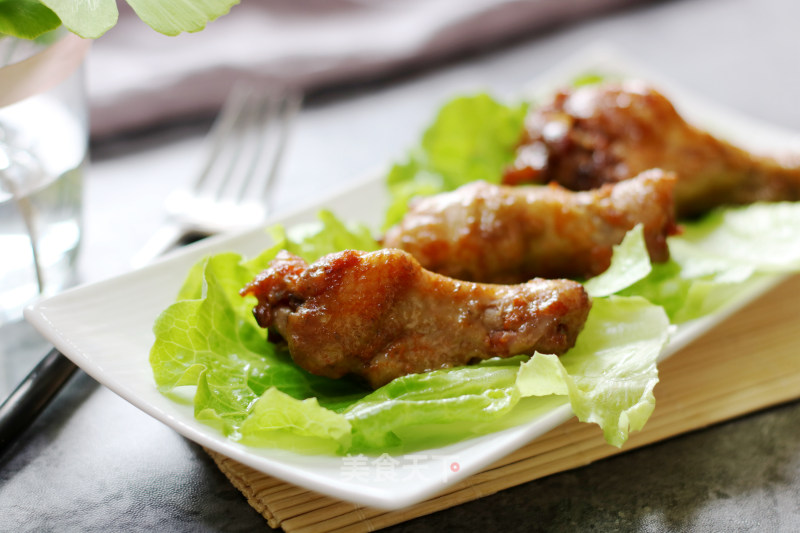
{"x":235,"y":186}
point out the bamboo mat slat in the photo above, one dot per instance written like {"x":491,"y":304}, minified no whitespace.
{"x":749,"y":362}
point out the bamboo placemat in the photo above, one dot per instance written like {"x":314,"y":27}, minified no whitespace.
{"x":749,"y":362}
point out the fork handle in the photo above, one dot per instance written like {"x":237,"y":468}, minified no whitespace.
{"x":32,"y":395}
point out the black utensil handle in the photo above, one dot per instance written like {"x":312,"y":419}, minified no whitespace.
{"x":32,"y":395}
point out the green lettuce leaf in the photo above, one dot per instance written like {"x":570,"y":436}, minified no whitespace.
{"x":610,"y":374}
{"x":208,"y":347}
{"x":629,"y":264}
{"x":472,"y":138}
{"x":279,"y":420}
{"x":761,"y":237}
{"x":312,"y":242}
{"x":208,"y":340}
{"x":608,"y":379}
{"x":438,"y":407}
{"x":718,"y":256}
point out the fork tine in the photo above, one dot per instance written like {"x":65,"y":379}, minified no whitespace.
{"x":265,"y":106}
{"x":277,"y":114}
{"x":225,"y":123}
{"x":235,"y":151}
{"x":248,"y":145}
{"x":238,"y":140}
{"x":277,"y":110}
{"x":292,"y":103}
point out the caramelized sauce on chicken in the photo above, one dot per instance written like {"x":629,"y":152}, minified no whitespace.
{"x":380,"y":315}
{"x":500,"y":234}
{"x":602,"y":134}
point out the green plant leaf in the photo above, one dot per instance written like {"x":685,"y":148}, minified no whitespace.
{"x":26,"y":19}
{"x":92,"y":18}
{"x":175,"y":16}
{"x":87,"y":18}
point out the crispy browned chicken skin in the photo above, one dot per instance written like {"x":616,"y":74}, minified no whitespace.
{"x":611,"y":132}
{"x":500,"y":234}
{"x":380,"y":315}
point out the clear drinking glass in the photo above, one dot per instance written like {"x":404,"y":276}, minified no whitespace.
{"x":43,"y":154}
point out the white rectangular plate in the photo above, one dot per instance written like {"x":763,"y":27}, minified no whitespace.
{"x":105,"y":328}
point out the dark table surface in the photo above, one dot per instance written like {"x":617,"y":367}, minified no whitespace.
{"x":93,"y":462}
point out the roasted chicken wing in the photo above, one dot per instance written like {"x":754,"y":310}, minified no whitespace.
{"x":611,"y":132}
{"x":500,"y":234}
{"x":380,"y":315}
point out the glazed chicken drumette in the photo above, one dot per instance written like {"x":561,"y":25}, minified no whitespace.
{"x":606,"y":133}
{"x":501,"y":234}
{"x":380,"y":315}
